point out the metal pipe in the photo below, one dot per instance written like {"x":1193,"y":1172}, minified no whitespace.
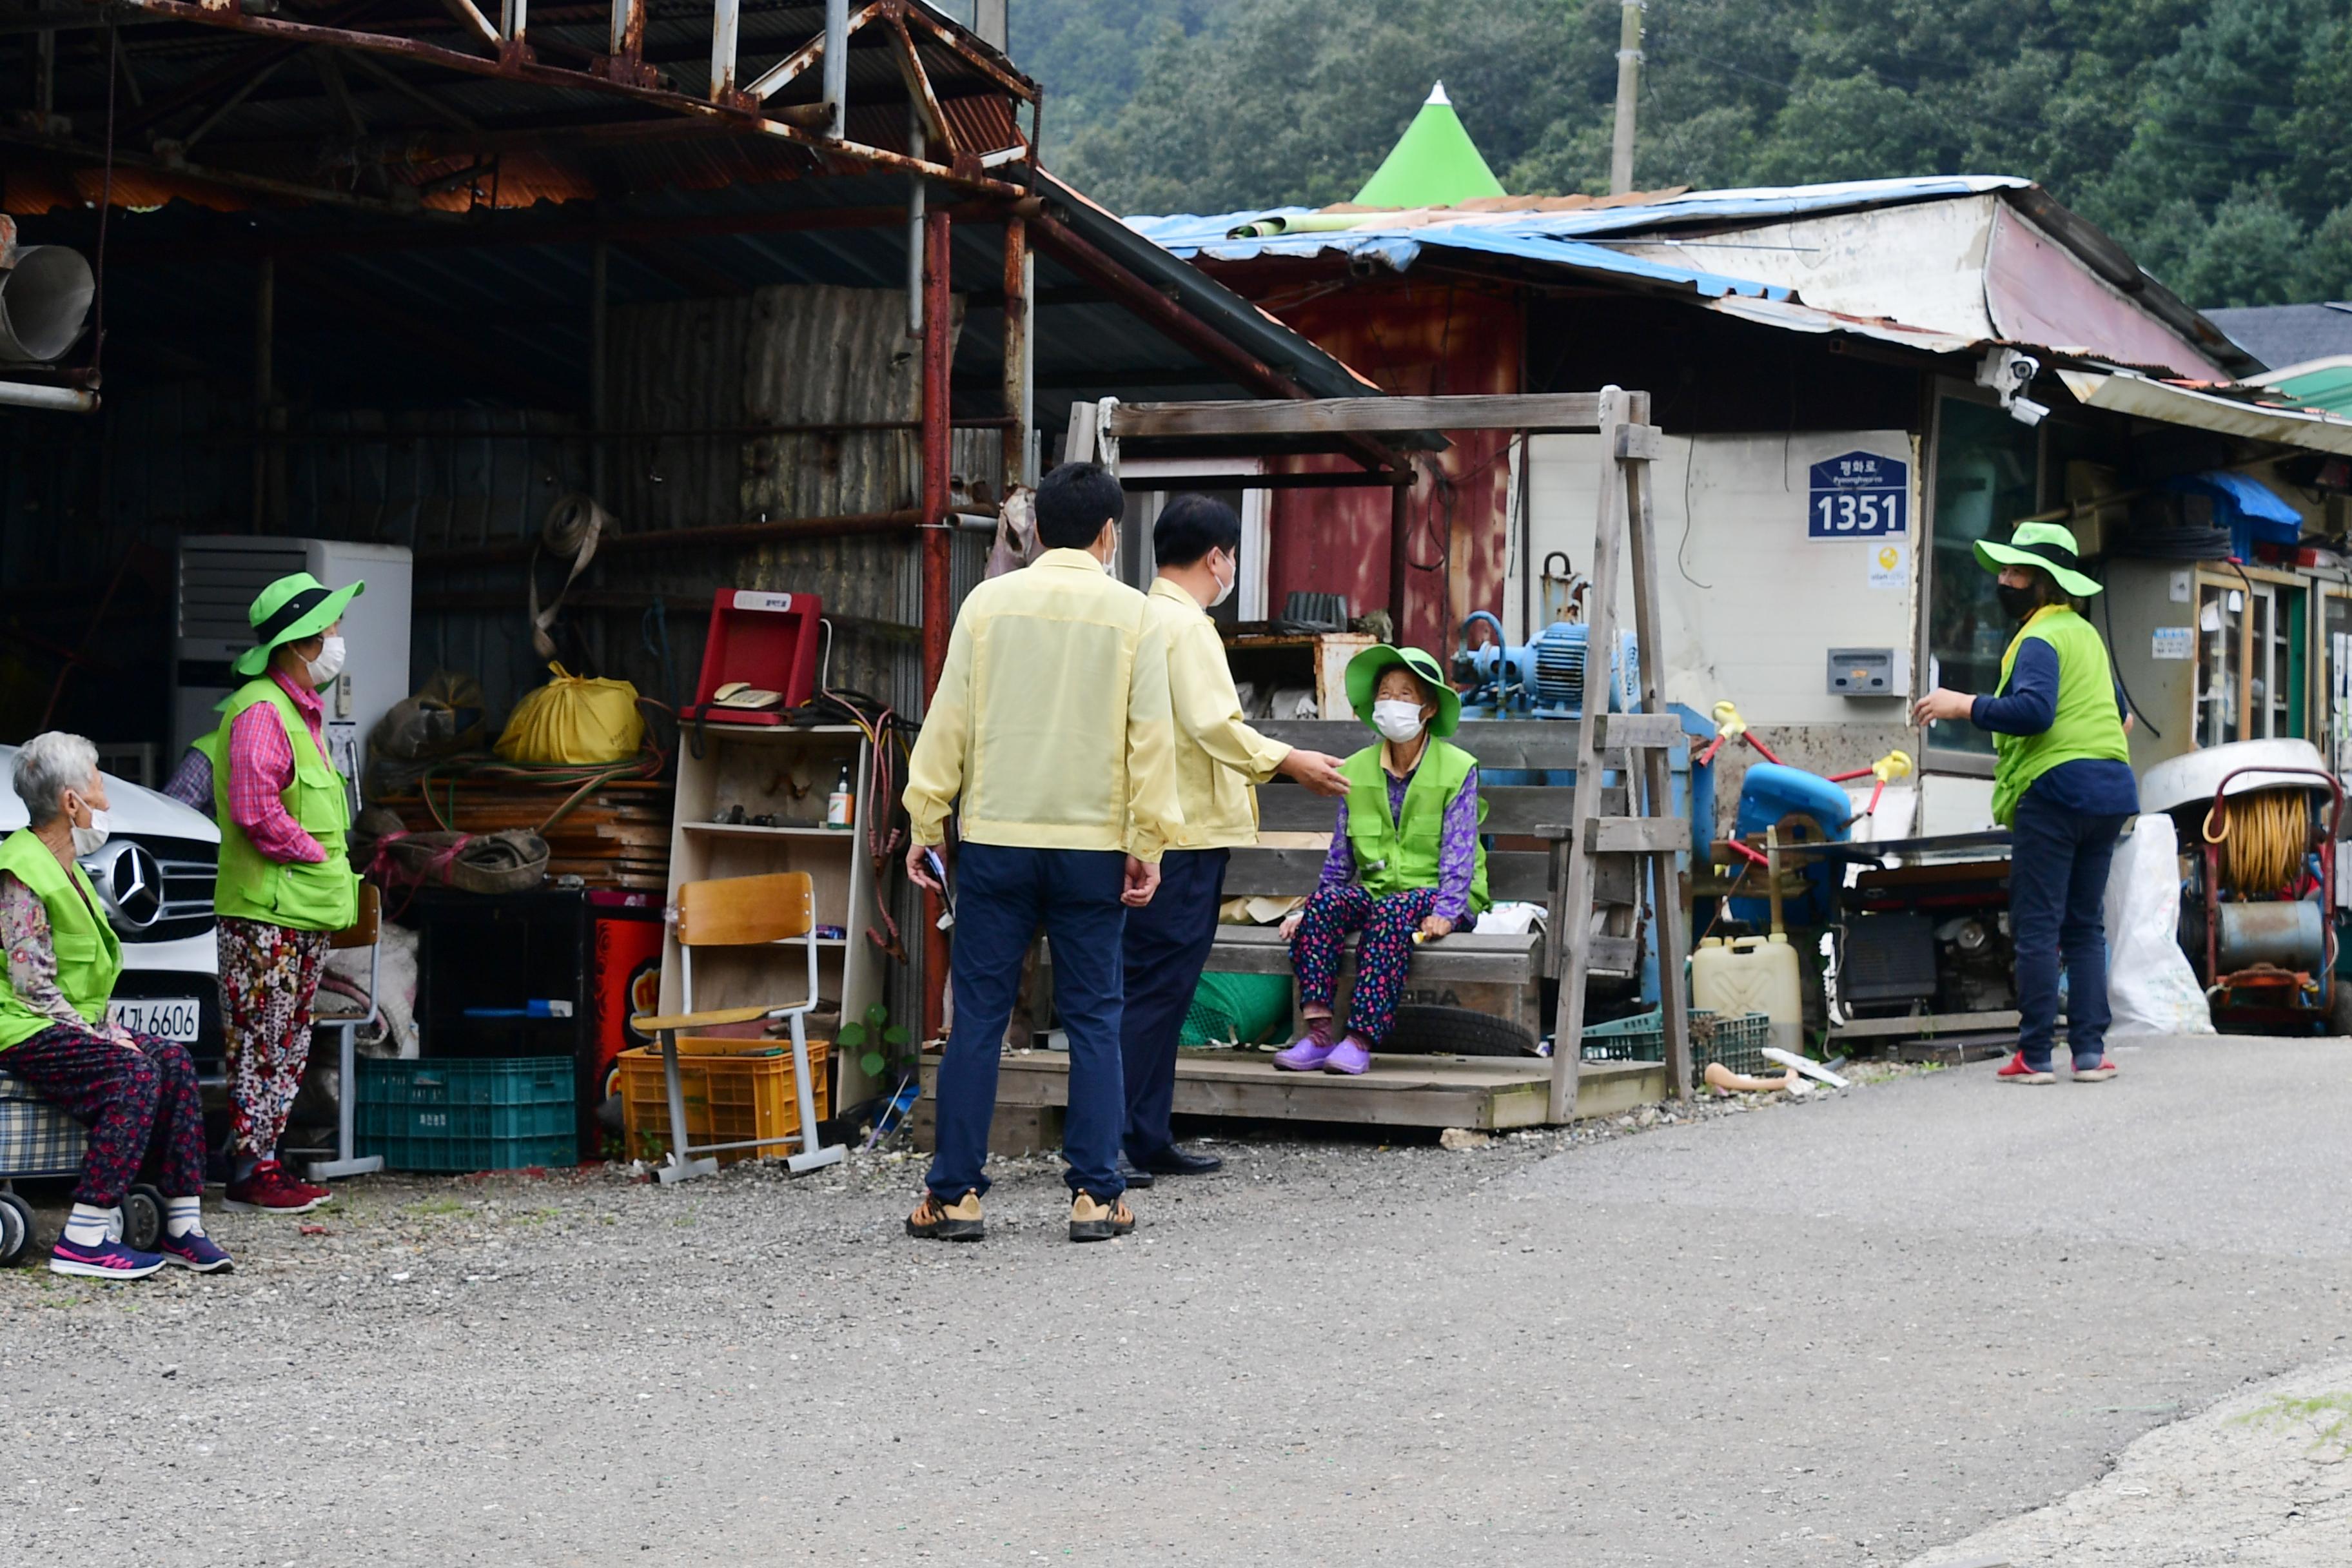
{"x":514,"y":20}
{"x":836,"y":66}
{"x":1400,"y":563}
{"x":599,"y":308}
{"x":915,"y":238}
{"x":938,"y":453}
{"x":724,"y":25}
{"x":265,"y":328}
{"x":1020,"y":318}
{"x":55,"y":399}
{"x":779,"y":531}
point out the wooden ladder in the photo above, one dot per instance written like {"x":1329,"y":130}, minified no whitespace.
{"x":1604,"y":937}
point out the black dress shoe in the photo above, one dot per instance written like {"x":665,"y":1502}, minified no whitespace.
{"x":1174,"y":1161}
{"x":1131,"y":1175}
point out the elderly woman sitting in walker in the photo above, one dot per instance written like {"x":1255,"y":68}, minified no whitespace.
{"x":136,"y":1094}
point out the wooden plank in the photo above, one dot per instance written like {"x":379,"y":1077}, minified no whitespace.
{"x":1925,"y":1025}
{"x":1611,"y":955}
{"x":1512,"y":810}
{"x":1493,"y":1092}
{"x":1260,"y":950}
{"x":1358,"y":415}
{"x":1635,"y":835}
{"x":1640,"y":443}
{"x":1619,"y":730}
{"x":1577,"y":947}
{"x":1511,"y":874}
{"x":1649,"y":632}
{"x":1535,"y":743}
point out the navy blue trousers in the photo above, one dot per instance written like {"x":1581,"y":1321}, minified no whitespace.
{"x":1002,"y":896}
{"x":2057,"y":880}
{"x":1167,"y":940}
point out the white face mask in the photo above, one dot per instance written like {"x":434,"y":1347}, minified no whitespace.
{"x":330,"y":662}
{"x":1398,"y":722}
{"x":1225,"y":586}
{"x":89,"y":840}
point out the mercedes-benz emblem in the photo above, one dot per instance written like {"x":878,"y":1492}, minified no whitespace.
{"x":130,"y":882}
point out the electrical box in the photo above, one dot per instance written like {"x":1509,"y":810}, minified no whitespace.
{"x":1866,"y":672}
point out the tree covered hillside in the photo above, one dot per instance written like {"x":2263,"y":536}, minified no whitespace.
{"x":2213,"y":137}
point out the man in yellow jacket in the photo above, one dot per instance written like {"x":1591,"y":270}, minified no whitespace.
{"x":1050,"y":736}
{"x":1196,"y":544}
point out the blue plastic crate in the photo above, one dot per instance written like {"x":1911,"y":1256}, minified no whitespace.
{"x":452,"y":1114}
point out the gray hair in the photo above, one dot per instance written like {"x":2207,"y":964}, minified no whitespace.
{"x":49,"y":765}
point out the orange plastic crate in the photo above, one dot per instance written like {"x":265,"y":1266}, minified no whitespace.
{"x":734,"y":1091}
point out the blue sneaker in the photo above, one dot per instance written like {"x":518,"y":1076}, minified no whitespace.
{"x":106,"y":1260}
{"x":195,"y":1251}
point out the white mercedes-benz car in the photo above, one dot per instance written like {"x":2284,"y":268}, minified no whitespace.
{"x":154,"y":875}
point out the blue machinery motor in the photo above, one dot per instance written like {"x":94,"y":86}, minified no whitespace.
{"x":1541,"y":680}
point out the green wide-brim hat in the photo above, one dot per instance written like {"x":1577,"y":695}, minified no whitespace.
{"x":1364,"y":672}
{"x":288,"y":611}
{"x":2044,"y":545}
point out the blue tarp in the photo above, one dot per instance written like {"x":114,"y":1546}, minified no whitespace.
{"x":2248,"y":508}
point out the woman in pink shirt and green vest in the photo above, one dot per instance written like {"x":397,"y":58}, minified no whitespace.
{"x":286,"y":884}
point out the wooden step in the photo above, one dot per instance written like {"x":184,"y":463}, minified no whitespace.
{"x":1489,"y":1092}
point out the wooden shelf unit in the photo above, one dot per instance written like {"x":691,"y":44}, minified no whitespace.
{"x":786,"y":773}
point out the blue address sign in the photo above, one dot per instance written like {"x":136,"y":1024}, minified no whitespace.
{"x":1858,"y":496}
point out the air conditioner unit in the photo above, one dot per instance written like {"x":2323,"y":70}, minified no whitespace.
{"x":219,"y":576}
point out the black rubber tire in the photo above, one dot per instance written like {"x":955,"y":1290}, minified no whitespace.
{"x":143,"y":1218}
{"x":16,"y":1229}
{"x":1423,"y":1031}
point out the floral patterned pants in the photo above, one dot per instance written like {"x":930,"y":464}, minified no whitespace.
{"x":1387,"y":924}
{"x":268,"y":974}
{"x":139,"y":1102}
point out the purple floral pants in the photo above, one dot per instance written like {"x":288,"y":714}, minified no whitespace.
{"x":140,"y":1105}
{"x":1387,"y":924}
{"x":268,"y":974}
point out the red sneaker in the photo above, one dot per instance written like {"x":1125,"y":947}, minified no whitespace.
{"x":2100,"y":1073}
{"x":269,"y":1190}
{"x":2015,"y":1070}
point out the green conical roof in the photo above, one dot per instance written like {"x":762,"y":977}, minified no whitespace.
{"x":1434,"y":163}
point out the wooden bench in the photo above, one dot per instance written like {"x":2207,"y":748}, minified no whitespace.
{"x":1469,"y":993}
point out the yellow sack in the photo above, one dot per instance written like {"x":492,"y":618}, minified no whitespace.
{"x":571,"y":720}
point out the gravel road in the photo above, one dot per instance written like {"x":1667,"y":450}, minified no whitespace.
{"x":1845,"y":1331}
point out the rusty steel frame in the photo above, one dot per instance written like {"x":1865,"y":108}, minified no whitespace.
{"x":624,"y":75}
{"x":938,"y":455}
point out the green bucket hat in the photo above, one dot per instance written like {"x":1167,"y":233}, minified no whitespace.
{"x":288,"y":611}
{"x":2044,"y":545}
{"x":1364,"y":673}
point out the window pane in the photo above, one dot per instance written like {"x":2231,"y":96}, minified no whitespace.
{"x":1984,"y":481}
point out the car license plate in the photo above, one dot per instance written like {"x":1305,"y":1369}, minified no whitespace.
{"x":165,"y":1018}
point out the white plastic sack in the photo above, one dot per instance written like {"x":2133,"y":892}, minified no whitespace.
{"x":2151,"y":990}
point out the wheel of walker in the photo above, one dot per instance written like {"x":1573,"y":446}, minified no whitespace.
{"x":143,"y":1218}
{"x":16,"y":1229}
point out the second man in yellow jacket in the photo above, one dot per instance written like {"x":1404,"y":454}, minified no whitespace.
{"x":1219,"y":760}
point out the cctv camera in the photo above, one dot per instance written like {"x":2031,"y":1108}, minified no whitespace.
{"x":2021,"y":369}
{"x":2025,"y":411}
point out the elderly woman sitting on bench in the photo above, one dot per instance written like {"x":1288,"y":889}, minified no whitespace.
{"x":1405,"y":864}
{"x":137,"y":1095}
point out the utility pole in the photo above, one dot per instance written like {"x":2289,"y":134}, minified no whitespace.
{"x":1629,"y":83}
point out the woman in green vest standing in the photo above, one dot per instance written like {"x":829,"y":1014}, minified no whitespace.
{"x":286,"y":884}
{"x":136,"y":1094}
{"x":1405,"y":864}
{"x":2062,"y":785}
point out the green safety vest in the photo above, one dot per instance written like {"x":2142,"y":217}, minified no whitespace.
{"x":1390,"y":856}
{"x":324,"y":896}
{"x":89,"y":955}
{"x":2086,"y":724}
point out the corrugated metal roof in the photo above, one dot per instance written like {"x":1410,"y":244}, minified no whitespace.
{"x":1546,"y":233}
{"x":2126,"y":392}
